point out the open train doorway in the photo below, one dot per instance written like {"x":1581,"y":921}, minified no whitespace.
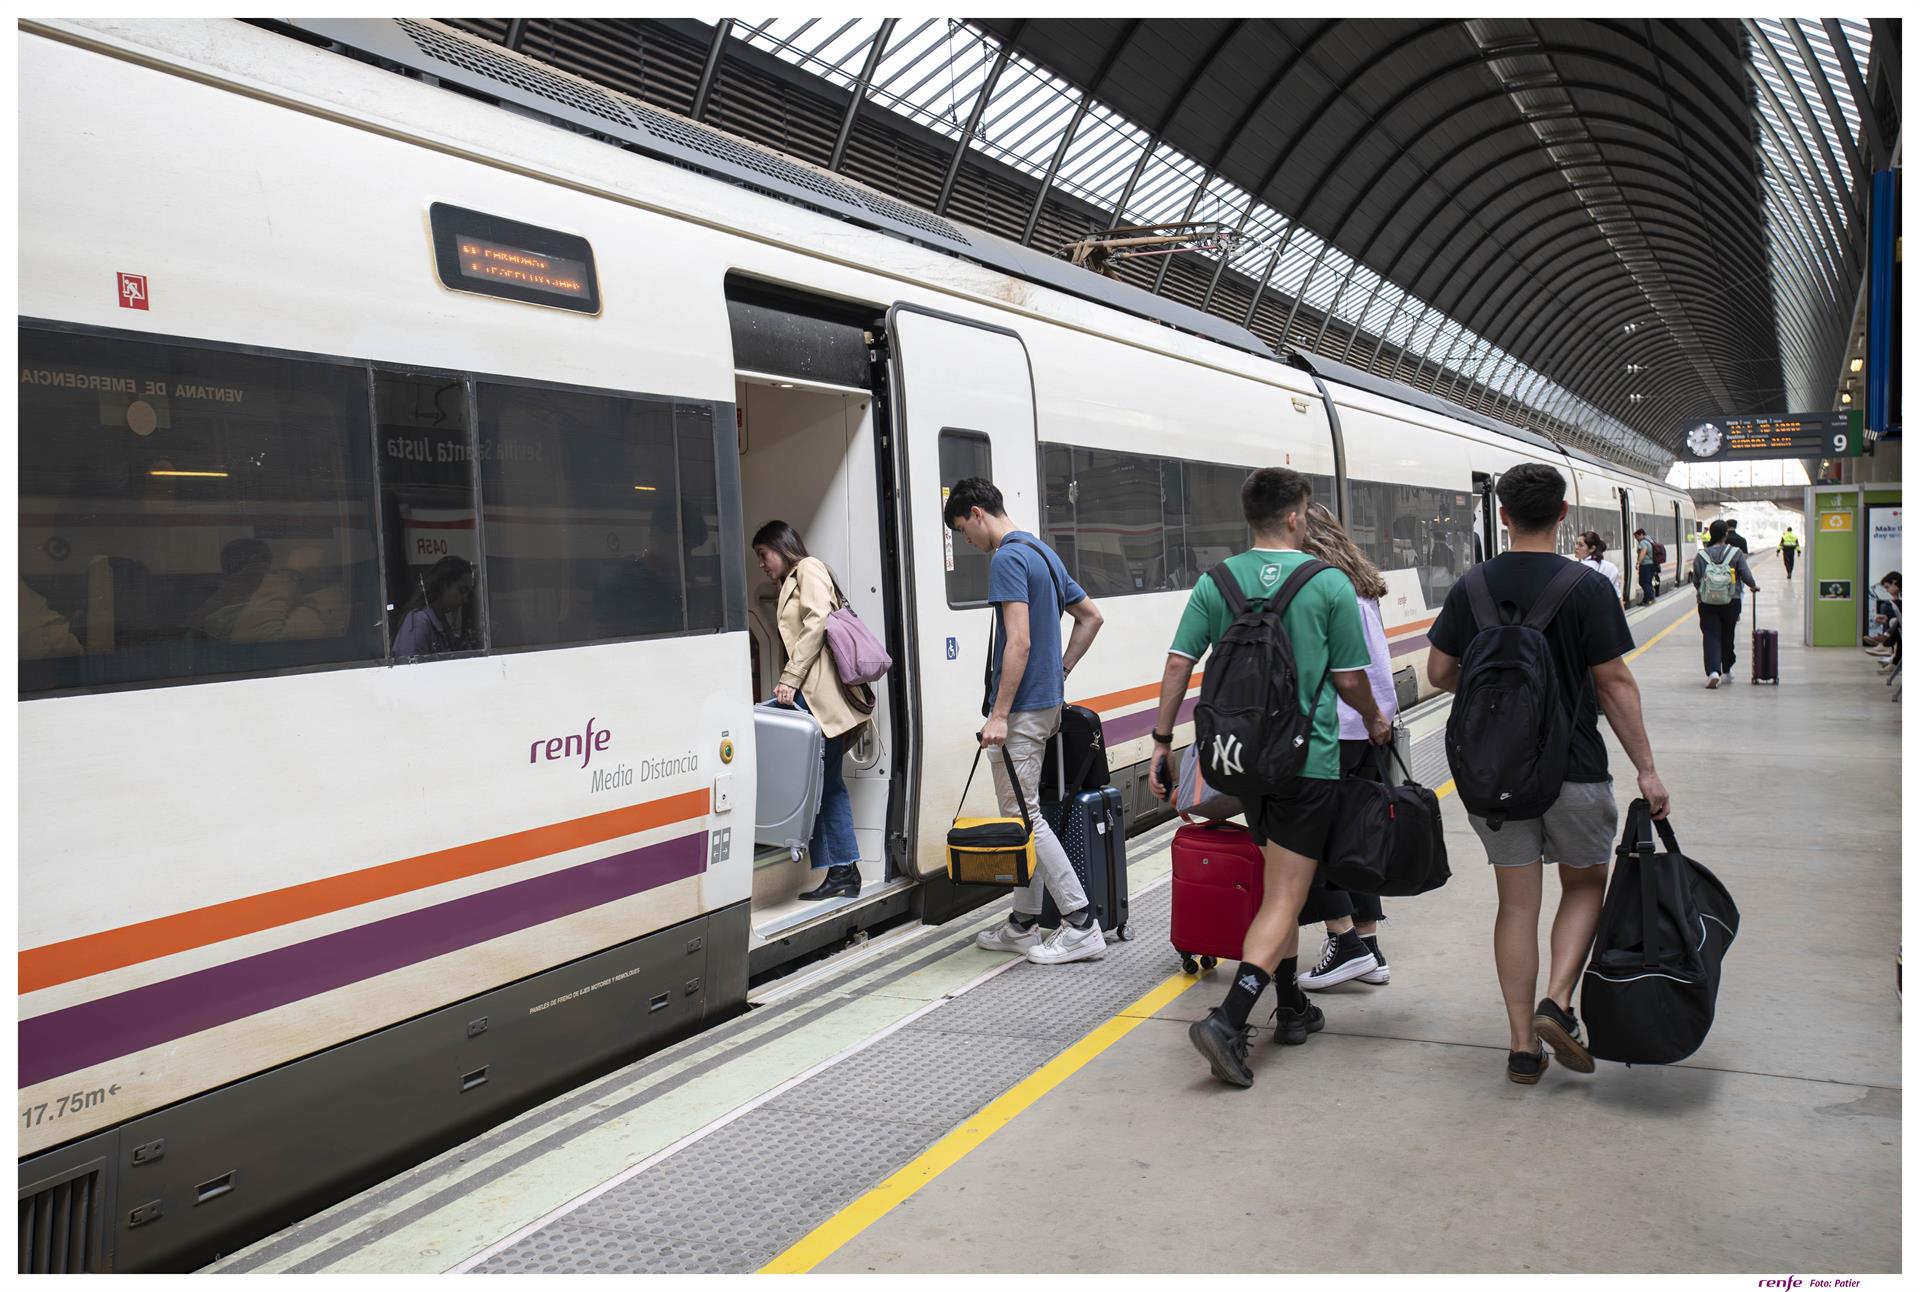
{"x":809,"y":434}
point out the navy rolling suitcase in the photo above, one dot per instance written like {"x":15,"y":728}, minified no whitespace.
{"x":1093,"y":829}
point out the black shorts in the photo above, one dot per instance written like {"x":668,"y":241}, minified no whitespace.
{"x":1300,"y":819}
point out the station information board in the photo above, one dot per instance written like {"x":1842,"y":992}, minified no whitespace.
{"x":1778,"y":435}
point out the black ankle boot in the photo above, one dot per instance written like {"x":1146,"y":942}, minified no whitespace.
{"x":841,"y":881}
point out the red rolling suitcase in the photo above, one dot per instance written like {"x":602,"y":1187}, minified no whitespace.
{"x":1219,"y":877}
{"x":1766,"y":650}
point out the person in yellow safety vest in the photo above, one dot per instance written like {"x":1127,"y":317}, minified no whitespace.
{"x":1789,"y":549}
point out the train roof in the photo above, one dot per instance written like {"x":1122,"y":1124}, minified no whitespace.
{"x":1347,"y":375}
{"x":508,"y":78}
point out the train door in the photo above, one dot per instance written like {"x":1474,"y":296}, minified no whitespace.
{"x":963,"y":406}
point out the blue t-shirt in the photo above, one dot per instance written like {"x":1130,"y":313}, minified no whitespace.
{"x":1024,"y":569}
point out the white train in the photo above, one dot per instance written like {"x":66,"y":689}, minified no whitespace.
{"x":309,"y":349}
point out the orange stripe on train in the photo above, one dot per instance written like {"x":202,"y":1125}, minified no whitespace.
{"x":131,"y":944}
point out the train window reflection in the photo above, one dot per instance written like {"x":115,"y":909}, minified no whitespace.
{"x":585,"y":538}
{"x":425,"y":439}
{"x":189,"y":512}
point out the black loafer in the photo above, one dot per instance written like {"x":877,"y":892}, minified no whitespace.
{"x":1526,"y":1068}
{"x":841,"y":881}
{"x":1558,"y":1028}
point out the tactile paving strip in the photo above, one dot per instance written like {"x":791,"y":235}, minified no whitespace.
{"x":734,"y":1200}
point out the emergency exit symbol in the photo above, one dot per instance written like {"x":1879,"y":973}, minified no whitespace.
{"x":133,"y":291}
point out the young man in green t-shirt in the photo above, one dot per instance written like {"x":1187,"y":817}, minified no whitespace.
{"x":1329,"y":647}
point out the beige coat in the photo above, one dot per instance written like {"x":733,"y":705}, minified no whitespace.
{"x":806,"y":599}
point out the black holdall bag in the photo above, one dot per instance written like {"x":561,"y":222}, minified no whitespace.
{"x":1076,"y":760}
{"x":1388,"y":838}
{"x":1649,"y":990}
{"x":1250,"y":733}
{"x":1509,"y":733}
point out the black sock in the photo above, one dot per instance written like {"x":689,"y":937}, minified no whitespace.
{"x":1080,"y":918}
{"x":1291,"y":997}
{"x":1248,"y":982}
{"x":1020,"y":921}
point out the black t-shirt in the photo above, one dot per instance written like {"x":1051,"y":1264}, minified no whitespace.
{"x":1589,"y":630}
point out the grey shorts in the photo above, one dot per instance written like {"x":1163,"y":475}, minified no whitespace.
{"x":1579,"y":830}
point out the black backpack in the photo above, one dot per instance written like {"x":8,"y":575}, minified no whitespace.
{"x":1249,"y":731}
{"x":1649,"y":991}
{"x":1509,"y":734}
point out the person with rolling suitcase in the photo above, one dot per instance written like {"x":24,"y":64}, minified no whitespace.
{"x":1719,"y":572}
{"x":1534,"y":648}
{"x":1025,"y":690}
{"x":1276,"y":626}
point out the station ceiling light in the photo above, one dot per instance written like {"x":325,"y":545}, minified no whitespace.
{"x":1857,"y":365}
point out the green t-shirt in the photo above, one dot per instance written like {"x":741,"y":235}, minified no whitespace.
{"x":1323,"y":624}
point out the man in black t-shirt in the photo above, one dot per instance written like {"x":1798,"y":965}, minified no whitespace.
{"x":1589,"y":639}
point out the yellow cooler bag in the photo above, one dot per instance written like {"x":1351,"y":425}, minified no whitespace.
{"x":995,"y":851}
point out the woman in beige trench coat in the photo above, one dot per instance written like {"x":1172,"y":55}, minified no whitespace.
{"x":807,"y":597}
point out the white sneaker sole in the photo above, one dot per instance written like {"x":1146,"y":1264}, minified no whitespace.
{"x":1067,"y":957}
{"x":1713,"y":683}
{"x":1379,"y":977}
{"x":1015,"y":949}
{"x":1340,"y":973}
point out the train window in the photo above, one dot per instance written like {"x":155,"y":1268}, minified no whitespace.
{"x":1407,"y":527}
{"x":585,"y":539}
{"x":425,"y":442}
{"x":964,"y":454}
{"x":1120,"y":526}
{"x":700,"y":528}
{"x":190,"y":512}
{"x":1216,"y":527}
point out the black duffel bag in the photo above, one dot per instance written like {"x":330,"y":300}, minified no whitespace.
{"x":1076,"y":757}
{"x":1649,"y":990}
{"x":1388,"y":839}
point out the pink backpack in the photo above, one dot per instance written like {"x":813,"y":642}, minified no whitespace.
{"x":858,"y":656}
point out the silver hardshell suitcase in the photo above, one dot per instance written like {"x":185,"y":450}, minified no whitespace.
{"x":791,"y":770}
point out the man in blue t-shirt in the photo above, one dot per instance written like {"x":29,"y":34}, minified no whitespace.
{"x":1026,"y":687}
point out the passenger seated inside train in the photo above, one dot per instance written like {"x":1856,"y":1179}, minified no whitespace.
{"x":433,"y":621}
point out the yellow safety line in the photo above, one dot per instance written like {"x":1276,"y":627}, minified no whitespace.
{"x":840,"y":1229}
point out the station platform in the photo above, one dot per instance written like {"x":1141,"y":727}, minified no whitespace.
{"x":919,"y":1105}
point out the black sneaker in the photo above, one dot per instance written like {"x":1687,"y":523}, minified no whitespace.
{"x":1380,"y":976}
{"x":1294,"y":1024}
{"x":1344,"y":959}
{"x":1558,"y":1028}
{"x":1526,"y":1068}
{"x":1225,"y":1047}
{"x":841,"y":881}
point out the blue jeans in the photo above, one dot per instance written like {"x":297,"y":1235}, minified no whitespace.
{"x":833,"y":841}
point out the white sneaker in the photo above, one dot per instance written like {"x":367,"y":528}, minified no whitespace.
{"x":1067,"y":943}
{"x":1008,"y":936}
{"x":1713,"y":680}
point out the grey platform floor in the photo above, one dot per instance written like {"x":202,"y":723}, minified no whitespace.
{"x":1392,"y":1142}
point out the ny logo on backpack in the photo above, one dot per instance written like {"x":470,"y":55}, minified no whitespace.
{"x":1249,"y":717}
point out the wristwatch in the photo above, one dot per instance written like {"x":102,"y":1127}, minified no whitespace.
{"x":1163,"y":738}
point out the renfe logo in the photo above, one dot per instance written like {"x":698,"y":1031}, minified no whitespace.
{"x":585,"y":744}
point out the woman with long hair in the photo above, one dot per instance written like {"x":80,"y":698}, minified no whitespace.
{"x":1352,"y":919}
{"x":1591,"y":550}
{"x":807,"y":597}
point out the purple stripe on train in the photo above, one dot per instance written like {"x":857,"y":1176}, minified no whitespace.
{"x":82,"y":1035}
{"x":1132,"y":726}
{"x":1408,"y":645}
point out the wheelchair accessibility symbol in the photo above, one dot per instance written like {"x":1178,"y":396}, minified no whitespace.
{"x":953,"y":648}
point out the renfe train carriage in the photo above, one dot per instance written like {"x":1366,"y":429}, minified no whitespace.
{"x":324,"y":324}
